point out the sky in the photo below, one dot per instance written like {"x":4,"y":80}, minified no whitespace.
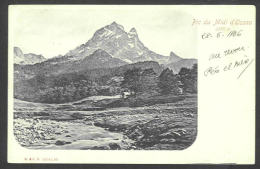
{"x":54,"y":30}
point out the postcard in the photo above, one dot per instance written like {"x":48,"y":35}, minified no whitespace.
{"x":131,"y":84}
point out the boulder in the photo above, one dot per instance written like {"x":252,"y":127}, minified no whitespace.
{"x":41,"y":114}
{"x":114,"y":146}
{"x":60,"y":143}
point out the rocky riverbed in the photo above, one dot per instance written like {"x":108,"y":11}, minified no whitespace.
{"x":43,"y":133}
{"x":167,"y":126}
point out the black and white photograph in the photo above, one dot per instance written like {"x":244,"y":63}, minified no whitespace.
{"x":91,"y":80}
{"x":131,"y":84}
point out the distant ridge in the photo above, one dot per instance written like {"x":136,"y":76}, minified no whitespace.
{"x":110,"y":46}
{"x":26,"y":59}
{"x":187,"y":63}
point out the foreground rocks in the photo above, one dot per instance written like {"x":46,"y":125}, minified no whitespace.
{"x":166,"y":126}
{"x":76,"y":134}
{"x":153,"y":129}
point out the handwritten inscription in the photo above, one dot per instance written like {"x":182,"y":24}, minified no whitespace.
{"x":234,"y":51}
{"x":227,"y":67}
{"x":227,"y":52}
{"x":231,"y":34}
{"x":228,"y":32}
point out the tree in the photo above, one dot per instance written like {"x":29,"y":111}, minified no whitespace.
{"x":148,"y":82}
{"x":168,"y":82}
{"x":189,"y":79}
{"x":140,"y":81}
{"x":194,"y":77}
{"x":131,"y":79}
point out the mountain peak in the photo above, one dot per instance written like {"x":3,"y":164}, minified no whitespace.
{"x":18,"y":52}
{"x":172,"y":54}
{"x":114,"y":24}
{"x":174,"y":57}
{"x":29,"y":58}
{"x":133,"y":30}
{"x":16,"y":48}
{"x":121,"y":44}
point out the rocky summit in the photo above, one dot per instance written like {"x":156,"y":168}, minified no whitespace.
{"x":120,"y":44}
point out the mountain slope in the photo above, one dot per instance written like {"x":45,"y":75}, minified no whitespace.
{"x":174,"y":58}
{"x":100,"y":59}
{"x":25,"y":59}
{"x":120,"y":44}
{"x":187,"y":63}
{"x":110,"y":46}
{"x":44,"y":86}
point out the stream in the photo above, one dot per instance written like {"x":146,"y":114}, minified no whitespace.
{"x":36,"y":133}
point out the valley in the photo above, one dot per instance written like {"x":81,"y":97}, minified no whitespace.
{"x":110,"y":93}
{"x":169,"y":126}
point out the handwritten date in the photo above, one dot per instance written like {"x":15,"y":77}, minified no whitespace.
{"x":230,"y":34}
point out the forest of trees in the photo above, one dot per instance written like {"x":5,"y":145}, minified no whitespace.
{"x":139,"y":81}
{"x":136,"y":80}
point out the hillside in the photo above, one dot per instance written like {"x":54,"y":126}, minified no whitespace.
{"x":76,"y":85}
{"x":26,"y":59}
{"x":176,"y":66}
{"x":88,"y":69}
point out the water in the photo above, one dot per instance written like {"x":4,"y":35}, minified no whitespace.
{"x":44,"y":133}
